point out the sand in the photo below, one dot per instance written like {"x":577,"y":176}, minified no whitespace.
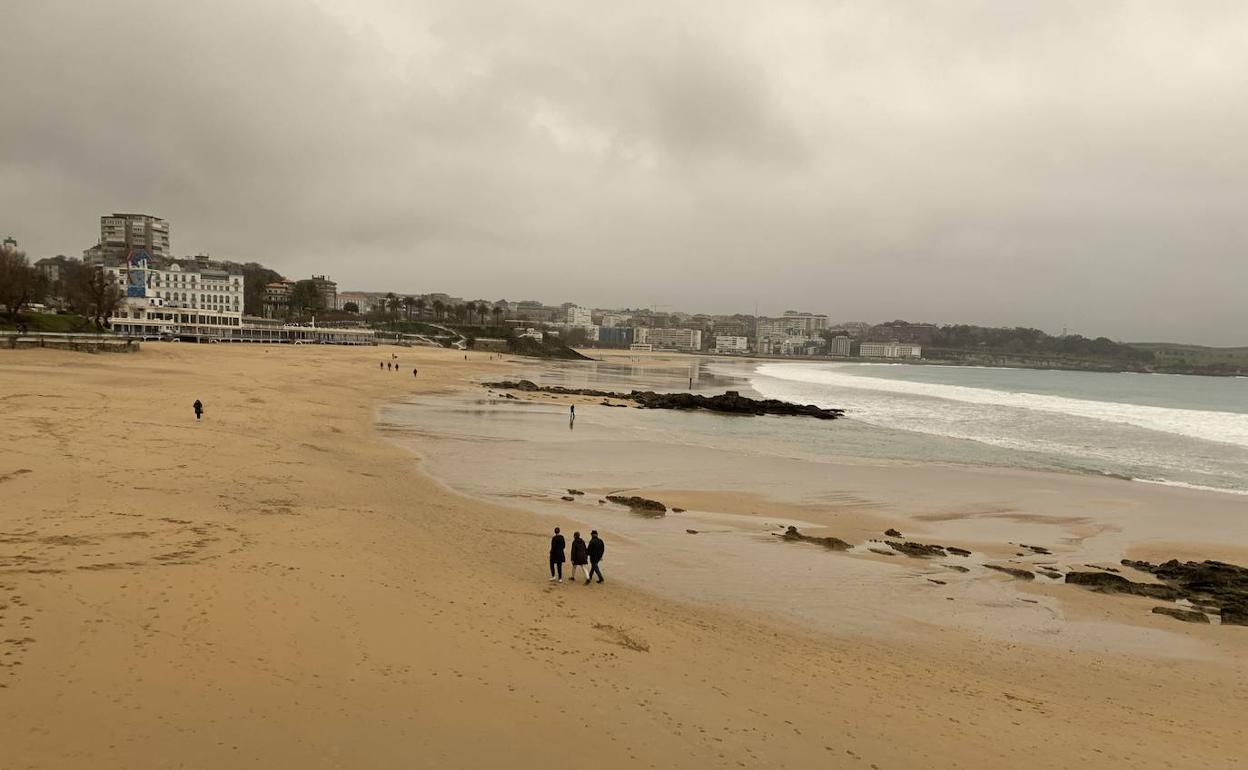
{"x":278,"y":586}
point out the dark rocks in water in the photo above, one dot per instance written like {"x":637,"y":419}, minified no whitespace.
{"x":834,"y":543}
{"x":730,"y":402}
{"x":575,"y":492}
{"x":639,"y":503}
{"x":916,"y":550}
{"x":957,"y":567}
{"x":569,"y":498}
{"x":1015,"y":572}
{"x":958,"y":551}
{"x":891,"y":533}
{"x":882,"y":552}
{"x":692,"y":531}
{"x":677,"y":510}
{"x":1178,"y":613}
{"x":1036,"y":549}
{"x":1106,"y":582}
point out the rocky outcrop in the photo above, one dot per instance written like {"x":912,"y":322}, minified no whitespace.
{"x":730,"y":402}
{"x":916,"y":550}
{"x":1107,"y":582}
{"x":1014,"y":572}
{"x":639,"y":504}
{"x":958,"y":551}
{"x":576,"y":492}
{"x":891,"y":533}
{"x":834,"y":543}
{"x":1178,"y":613}
{"x":1208,"y":583}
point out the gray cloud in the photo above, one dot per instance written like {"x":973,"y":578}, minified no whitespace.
{"x":1050,"y":164}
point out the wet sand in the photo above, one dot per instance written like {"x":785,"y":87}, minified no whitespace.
{"x":280,"y":586}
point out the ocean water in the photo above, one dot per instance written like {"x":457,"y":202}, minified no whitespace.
{"x":1167,"y":429}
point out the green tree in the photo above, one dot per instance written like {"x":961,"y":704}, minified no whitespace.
{"x":439,"y":309}
{"x":93,"y":293}
{"x":408,"y":303}
{"x":498,"y":313}
{"x":20,"y":284}
{"x":419,"y":304}
{"x":350,"y":307}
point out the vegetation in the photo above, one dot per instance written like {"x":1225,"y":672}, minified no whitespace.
{"x":20,"y":284}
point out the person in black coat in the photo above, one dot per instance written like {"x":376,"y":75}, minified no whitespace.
{"x":556,"y":556}
{"x":580,"y":555}
{"x":199,"y":410}
{"x":596,"y":549}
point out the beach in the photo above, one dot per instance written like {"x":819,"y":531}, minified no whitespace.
{"x":286,"y":584}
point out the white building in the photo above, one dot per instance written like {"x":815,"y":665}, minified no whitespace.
{"x":726,"y":344}
{"x":670,"y":339}
{"x":840,"y":345}
{"x":579,"y":316}
{"x":183,"y":297}
{"x":890,"y":350}
{"x":612,"y":320}
{"x":121,"y":234}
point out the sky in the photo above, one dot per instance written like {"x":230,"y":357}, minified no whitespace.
{"x":1078,"y":165}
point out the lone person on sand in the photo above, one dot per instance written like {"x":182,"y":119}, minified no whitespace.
{"x":580,"y":556}
{"x":381,"y":364}
{"x":556,"y":557}
{"x":199,"y":410}
{"x":596,"y":549}
{"x":414,"y":372}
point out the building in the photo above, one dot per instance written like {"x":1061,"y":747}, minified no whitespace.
{"x":175,"y":297}
{"x":612,"y":320}
{"x":579,"y":316}
{"x":669,"y":339}
{"x":889,"y":350}
{"x":121,"y":234}
{"x":727,"y":344}
{"x":790,"y":345}
{"x":840,"y":345}
{"x":615,"y":336}
{"x":275,"y":303}
{"x":327,"y":290}
{"x":806,"y":324}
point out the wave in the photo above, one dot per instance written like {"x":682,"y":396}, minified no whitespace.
{"x":1222,"y":427}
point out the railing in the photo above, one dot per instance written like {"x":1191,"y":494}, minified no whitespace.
{"x":90,"y":342}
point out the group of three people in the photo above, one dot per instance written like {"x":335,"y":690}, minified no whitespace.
{"x":586,"y":556}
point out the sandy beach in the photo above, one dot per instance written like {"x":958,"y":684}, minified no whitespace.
{"x":281,"y":585}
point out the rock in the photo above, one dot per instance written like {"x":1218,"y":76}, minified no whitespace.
{"x":916,"y":550}
{"x":958,"y":551}
{"x":730,"y":402}
{"x":1036,"y":549}
{"x":834,"y":543}
{"x":937,"y":582}
{"x":1021,"y":574}
{"x":639,"y":504}
{"x":957,"y":567}
{"x":692,"y":531}
{"x":1106,"y":582}
{"x":1050,"y":573}
{"x":602,"y":502}
{"x":882,"y":552}
{"x":1178,"y":613}
{"x":677,"y":510}
{"x":1235,"y":615}
{"x":892,"y":533}
{"x":575,"y":492}
{"x":569,"y":498}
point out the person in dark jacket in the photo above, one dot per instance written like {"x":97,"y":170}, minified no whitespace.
{"x":556,"y":556}
{"x":199,"y":410}
{"x":580,"y":556}
{"x":596,"y":549}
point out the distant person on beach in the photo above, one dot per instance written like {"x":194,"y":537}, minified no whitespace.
{"x":556,"y":556}
{"x":199,"y":409}
{"x":572,"y":411}
{"x":414,"y":372}
{"x":381,"y":364}
{"x":596,"y":549}
{"x":580,"y":556}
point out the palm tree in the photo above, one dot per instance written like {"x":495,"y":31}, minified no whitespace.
{"x":419,"y":304}
{"x":498,"y":315}
{"x":407,"y":306}
{"x":439,"y":307}
{"x":393,"y":304}
{"x":482,"y":311}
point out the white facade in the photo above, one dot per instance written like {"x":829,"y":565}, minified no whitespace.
{"x":579,"y":316}
{"x":724,"y":344}
{"x":612,"y":320}
{"x":180,"y":299}
{"x":840,"y":346}
{"x":672,"y":339}
{"x":890,"y":350}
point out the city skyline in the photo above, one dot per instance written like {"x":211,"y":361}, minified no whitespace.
{"x":1051,"y":166}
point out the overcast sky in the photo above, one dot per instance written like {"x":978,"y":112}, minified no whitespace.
{"x":1057,"y":164}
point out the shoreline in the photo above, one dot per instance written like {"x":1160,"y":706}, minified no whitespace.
{"x":280,"y":586}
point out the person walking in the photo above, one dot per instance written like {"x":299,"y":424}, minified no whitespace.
{"x":556,"y":557}
{"x":580,"y":556}
{"x":381,"y":364}
{"x":199,"y":409}
{"x":596,"y":549}
{"x":414,"y":372}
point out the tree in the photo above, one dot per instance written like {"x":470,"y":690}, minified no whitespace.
{"x":498,"y":315}
{"x":419,"y":304}
{"x":20,"y":283}
{"x":93,"y":293}
{"x":408,"y":302}
{"x":350,"y":307}
{"x":393,"y":303}
{"x":482,"y":311}
{"x":439,"y":309}
{"x":305,"y":299}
